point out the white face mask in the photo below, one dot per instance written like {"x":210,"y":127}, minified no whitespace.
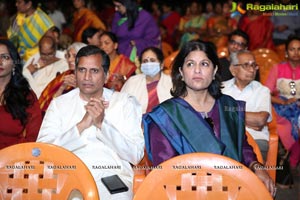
{"x":150,"y":68}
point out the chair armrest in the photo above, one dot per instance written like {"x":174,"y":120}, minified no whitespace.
{"x":272,"y":154}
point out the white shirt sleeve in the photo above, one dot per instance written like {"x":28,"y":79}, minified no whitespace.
{"x":52,"y":130}
{"x":121,"y":129}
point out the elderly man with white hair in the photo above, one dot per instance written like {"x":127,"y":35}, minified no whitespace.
{"x":257,"y":97}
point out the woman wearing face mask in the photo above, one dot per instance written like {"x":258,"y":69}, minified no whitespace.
{"x":152,"y":86}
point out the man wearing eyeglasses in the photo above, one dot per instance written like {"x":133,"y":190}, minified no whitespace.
{"x":257,"y":97}
{"x":238,"y":40}
{"x":42,"y":69}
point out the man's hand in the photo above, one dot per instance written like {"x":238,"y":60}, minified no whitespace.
{"x":69,"y":80}
{"x":95,"y":108}
{"x":264,"y":177}
{"x":94,"y":114}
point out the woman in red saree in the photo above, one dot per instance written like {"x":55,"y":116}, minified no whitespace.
{"x":121,"y":68}
{"x":259,"y":28}
{"x":63,"y":82}
{"x":84,"y":18}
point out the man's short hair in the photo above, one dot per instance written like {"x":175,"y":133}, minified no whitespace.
{"x":93,"y":50}
{"x":241,"y":33}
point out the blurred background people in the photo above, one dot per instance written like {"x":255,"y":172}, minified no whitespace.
{"x":40,"y":72}
{"x":83,"y":18}
{"x":55,"y":14}
{"x":259,"y":29}
{"x":120,"y":68}
{"x":64,"y":82}
{"x":193,"y":24}
{"x":135,"y":28}
{"x":28,"y":27}
{"x":91,"y":36}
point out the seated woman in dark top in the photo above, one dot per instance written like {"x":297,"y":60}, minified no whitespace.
{"x":199,"y":118}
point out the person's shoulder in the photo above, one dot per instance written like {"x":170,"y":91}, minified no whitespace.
{"x":146,"y":15}
{"x":66,"y":98}
{"x":228,"y":83}
{"x":135,"y":78}
{"x":229,"y":99}
{"x":257,"y":86}
{"x":124,"y":100}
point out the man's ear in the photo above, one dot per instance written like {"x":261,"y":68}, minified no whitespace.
{"x":106,"y":77}
{"x":232,"y":69}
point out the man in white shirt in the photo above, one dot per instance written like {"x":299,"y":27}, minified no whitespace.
{"x":44,"y":67}
{"x":257,"y":97}
{"x":100,"y":126}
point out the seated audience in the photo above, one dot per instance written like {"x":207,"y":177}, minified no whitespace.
{"x":102,"y":127}
{"x":20,"y":112}
{"x":153,"y":85}
{"x":284,"y":26}
{"x":64,"y":82}
{"x":170,"y":19}
{"x":197,"y":118}
{"x":259,"y":29}
{"x":91,"y":36}
{"x":284,"y":84}
{"x":193,"y":24}
{"x":83,"y":18}
{"x":135,"y":28}
{"x":40,"y":72}
{"x":121,"y":68}
{"x":237,"y":40}
{"x":28,"y":26}
{"x":243,"y":87}
{"x":220,"y":24}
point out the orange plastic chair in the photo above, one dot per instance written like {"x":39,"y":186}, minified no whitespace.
{"x":166,"y":48}
{"x":202,"y":176}
{"x":273,"y":147}
{"x":266,"y":59}
{"x":168,"y":61}
{"x":222,"y":51}
{"x":280,"y":50}
{"x":255,"y":147}
{"x":43,"y":171}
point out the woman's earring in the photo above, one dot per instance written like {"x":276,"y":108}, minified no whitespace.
{"x":13,"y":71}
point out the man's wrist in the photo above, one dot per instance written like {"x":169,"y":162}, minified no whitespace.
{"x":255,"y":165}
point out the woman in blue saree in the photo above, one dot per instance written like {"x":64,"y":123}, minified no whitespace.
{"x":199,"y":118}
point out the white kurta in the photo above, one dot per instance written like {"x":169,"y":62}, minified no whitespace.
{"x":257,"y":98}
{"x":137,"y":86}
{"x":40,"y":79}
{"x":118,"y":143}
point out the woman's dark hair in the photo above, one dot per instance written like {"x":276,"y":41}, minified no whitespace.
{"x":35,"y":3}
{"x":88,"y":33}
{"x":93,"y":50}
{"x":17,"y":95}
{"x":158,"y":52}
{"x":290,"y":39}
{"x":132,"y":11}
{"x":179,"y":87}
{"x":111,"y":35}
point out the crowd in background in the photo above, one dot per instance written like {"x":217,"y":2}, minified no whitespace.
{"x":135,"y":37}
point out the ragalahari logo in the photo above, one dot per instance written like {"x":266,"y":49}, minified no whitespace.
{"x":237,"y":10}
